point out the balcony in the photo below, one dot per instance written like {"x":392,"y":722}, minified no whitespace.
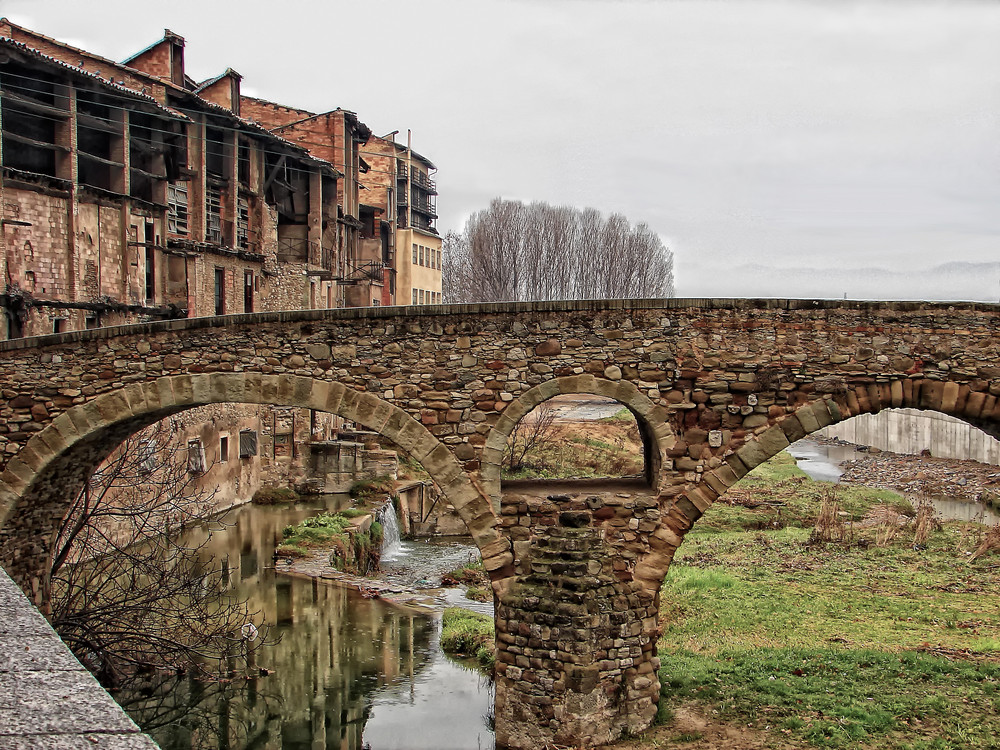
{"x":425,"y":207}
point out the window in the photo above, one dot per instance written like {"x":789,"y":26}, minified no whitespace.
{"x":248,"y":291}
{"x":58,"y":325}
{"x":147,"y":457}
{"x":439,"y":259}
{"x":414,"y":254}
{"x":421,"y":296}
{"x":414,"y":296}
{"x":248,"y":443}
{"x":376,"y":302}
{"x":213,"y":215}
{"x":422,"y":256}
{"x":196,"y":457}
{"x":150,"y":275}
{"x":177,"y":207}
{"x":220,"y":291}
{"x":242,"y":223}
{"x":223,"y":448}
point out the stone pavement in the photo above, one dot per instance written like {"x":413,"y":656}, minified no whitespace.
{"x":48,"y":701}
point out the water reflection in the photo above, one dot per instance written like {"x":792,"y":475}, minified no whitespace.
{"x":349,"y":672}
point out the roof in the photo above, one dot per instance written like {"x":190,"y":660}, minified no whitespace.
{"x":200,"y":103}
{"x":230,"y":73}
{"x":93,"y":77}
{"x":167,"y":34}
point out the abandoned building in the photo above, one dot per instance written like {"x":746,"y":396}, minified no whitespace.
{"x":131,"y":192}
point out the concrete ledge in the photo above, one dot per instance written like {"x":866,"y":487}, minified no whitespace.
{"x":47,"y":699}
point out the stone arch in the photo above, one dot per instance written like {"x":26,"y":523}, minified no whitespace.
{"x":657,"y":436}
{"x":977,"y":408}
{"x":36,"y":486}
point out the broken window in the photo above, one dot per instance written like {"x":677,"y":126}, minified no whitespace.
{"x":243,"y":162}
{"x":99,"y":137}
{"x":243,"y":223}
{"x":177,"y":207}
{"x":217,"y":152}
{"x":35,"y":109}
{"x":248,"y":443}
{"x":196,"y":457}
{"x":213,"y":215}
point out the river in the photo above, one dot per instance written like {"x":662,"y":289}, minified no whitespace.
{"x":822,"y":461}
{"x":348,"y":672}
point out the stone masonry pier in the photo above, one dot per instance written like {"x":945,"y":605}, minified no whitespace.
{"x":716,"y":387}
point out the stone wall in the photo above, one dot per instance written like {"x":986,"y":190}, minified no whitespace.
{"x":716,"y":386}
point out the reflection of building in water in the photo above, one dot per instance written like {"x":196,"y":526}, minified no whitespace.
{"x":336,"y":649}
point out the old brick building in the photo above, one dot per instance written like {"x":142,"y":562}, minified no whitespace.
{"x":400,"y":186}
{"x":131,"y":192}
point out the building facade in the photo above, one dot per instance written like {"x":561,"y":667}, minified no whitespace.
{"x":131,"y":192}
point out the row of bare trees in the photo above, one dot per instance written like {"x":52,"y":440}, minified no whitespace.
{"x":536,"y":251}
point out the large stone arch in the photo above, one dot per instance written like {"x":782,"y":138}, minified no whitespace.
{"x":946,"y":397}
{"x":657,"y":436}
{"x":36,"y":487}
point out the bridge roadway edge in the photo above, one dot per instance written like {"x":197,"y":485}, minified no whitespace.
{"x":48,"y":700}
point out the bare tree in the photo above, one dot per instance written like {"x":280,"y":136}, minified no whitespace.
{"x":128,"y":595}
{"x":517,"y":251}
{"x":530,"y":435}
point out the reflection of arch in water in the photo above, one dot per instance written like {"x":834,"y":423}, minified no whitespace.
{"x":55,"y":464}
{"x":654,"y":431}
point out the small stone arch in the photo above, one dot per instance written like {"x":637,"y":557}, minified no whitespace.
{"x":36,"y":486}
{"x":657,"y":436}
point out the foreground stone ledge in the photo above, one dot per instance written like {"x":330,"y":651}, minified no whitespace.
{"x":47,"y":699}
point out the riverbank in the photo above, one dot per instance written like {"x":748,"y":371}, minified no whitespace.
{"x":926,"y":475}
{"x":775,"y":639}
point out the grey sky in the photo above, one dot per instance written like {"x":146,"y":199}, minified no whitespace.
{"x":797,"y":148}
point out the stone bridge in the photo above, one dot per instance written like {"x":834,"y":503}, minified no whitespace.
{"x":717,"y":387}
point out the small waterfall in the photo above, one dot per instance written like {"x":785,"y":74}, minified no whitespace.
{"x":391,"y":542}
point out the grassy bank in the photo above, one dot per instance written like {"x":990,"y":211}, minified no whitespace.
{"x":869,"y":642}
{"x":468,"y":634}
{"x":350,"y":549}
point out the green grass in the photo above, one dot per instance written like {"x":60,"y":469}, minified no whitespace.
{"x":466,"y":633}
{"x":353,"y":551}
{"x":833,"y":645}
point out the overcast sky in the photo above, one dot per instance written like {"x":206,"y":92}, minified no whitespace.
{"x":807,"y":148}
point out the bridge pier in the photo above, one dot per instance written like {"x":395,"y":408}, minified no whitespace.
{"x":576,"y":645}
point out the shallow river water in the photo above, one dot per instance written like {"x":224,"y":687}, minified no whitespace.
{"x":822,"y":461}
{"x":348,"y":672}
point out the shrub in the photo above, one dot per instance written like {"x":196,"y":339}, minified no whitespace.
{"x":268,"y":495}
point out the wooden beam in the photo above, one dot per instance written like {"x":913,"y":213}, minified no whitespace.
{"x":33,"y":104}
{"x":32,"y":142}
{"x":102,"y":160}
{"x":98,"y":123}
{"x":274,"y":172}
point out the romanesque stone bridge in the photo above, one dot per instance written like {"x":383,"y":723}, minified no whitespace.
{"x":717,"y":387}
